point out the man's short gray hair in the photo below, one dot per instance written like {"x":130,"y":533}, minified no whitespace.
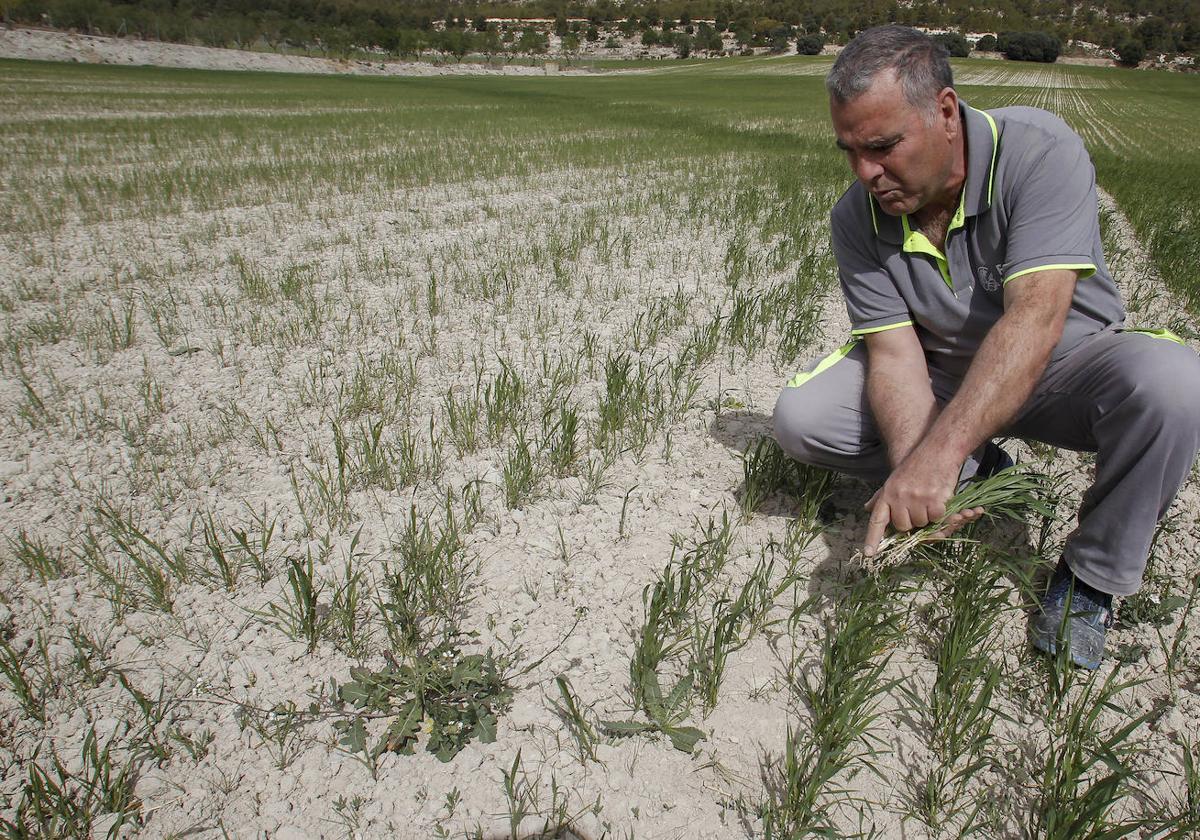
{"x":922,"y":65}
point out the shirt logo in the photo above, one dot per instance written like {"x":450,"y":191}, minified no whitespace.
{"x":988,"y":277}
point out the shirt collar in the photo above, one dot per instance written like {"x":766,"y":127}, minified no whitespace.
{"x":982,"y":144}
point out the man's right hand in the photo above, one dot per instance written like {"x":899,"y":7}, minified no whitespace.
{"x":913,"y":496}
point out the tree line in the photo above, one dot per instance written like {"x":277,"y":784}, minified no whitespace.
{"x":456,"y":28}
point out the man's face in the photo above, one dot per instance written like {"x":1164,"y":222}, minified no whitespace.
{"x":900,"y":156}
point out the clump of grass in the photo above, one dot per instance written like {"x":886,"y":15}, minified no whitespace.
{"x":301,"y":616}
{"x":843,"y":701}
{"x":766,"y":470}
{"x":59,"y":803}
{"x":23,"y":683}
{"x":42,"y":560}
{"x":1086,"y":771}
{"x":577,"y":718}
{"x":958,"y":713}
{"x":425,"y":585}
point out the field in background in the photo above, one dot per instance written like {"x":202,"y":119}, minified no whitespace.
{"x":343,"y":415}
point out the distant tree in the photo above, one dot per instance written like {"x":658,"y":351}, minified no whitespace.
{"x":611,"y":43}
{"x":650,"y":38}
{"x":779,"y":39}
{"x":810,"y":44}
{"x":532,"y":41}
{"x":955,"y":43}
{"x":560,"y":26}
{"x":721,"y":23}
{"x":480,"y":23}
{"x":457,"y":43}
{"x":593,"y":34}
{"x":1130,"y":52}
{"x":685,"y":18}
{"x":1155,"y":34}
{"x":986,"y":44}
{"x":683,"y":45}
{"x":1029,"y":46}
{"x":570,"y":43}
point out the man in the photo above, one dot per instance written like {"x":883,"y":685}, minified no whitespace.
{"x":970,"y":258}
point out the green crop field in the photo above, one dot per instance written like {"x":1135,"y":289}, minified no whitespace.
{"x":392,"y":457}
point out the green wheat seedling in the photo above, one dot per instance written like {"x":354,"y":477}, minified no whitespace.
{"x":843,"y":701}
{"x":154,"y":567}
{"x":380,"y":388}
{"x":39,"y":558}
{"x":1087,"y":770}
{"x":767,"y":470}
{"x":1014,"y":494}
{"x":732,"y":622}
{"x":424,"y":593}
{"x":578,"y":719}
{"x":114,"y":328}
{"x":504,"y":402}
{"x":225,"y":561}
{"x":958,"y":713}
{"x":675,"y":622}
{"x":462,"y":418}
{"x":523,"y":796}
{"x":521,"y":473}
{"x":88,"y":650}
{"x":59,"y":803}
{"x":114,"y":580}
{"x":280,"y":729}
{"x":347,"y":607}
{"x":22,"y":682}
{"x":154,"y":713}
{"x":300,"y":615}
{"x":1186,"y":821}
{"x":560,"y":439}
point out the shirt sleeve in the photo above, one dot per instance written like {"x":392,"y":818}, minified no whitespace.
{"x":1052,"y":215}
{"x":873,"y":302}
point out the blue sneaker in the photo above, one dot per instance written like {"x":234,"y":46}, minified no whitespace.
{"x":1075,"y":614}
{"x":993,"y":460}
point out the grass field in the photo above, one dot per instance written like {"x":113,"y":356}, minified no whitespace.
{"x":390,"y":457}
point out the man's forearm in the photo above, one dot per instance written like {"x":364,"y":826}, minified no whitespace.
{"x":902,"y":402}
{"x":1010,"y":361}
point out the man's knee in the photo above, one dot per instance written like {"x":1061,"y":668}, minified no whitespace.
{"x":1163,"y":386}
{"x":801,"y":424}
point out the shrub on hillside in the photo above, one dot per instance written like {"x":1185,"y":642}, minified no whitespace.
{"x":1130,"y":52}
{"x":986,"y":44}
{"x":809,"y":44}
{"x":954,"y":43}
{"x":1029,"y":46}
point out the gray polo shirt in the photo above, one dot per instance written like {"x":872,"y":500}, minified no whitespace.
{"x":1029,"y":203}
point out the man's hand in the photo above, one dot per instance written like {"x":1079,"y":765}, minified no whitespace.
{"x":914,"y":496}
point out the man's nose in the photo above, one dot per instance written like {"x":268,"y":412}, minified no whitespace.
{"x":865,"y":169}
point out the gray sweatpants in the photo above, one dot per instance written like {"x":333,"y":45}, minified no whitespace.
{"x":1132,"y":399}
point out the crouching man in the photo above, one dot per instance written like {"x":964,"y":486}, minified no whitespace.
{"x":970,"y":259}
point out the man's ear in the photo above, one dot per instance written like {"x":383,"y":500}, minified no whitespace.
{"x":947,"y":111}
